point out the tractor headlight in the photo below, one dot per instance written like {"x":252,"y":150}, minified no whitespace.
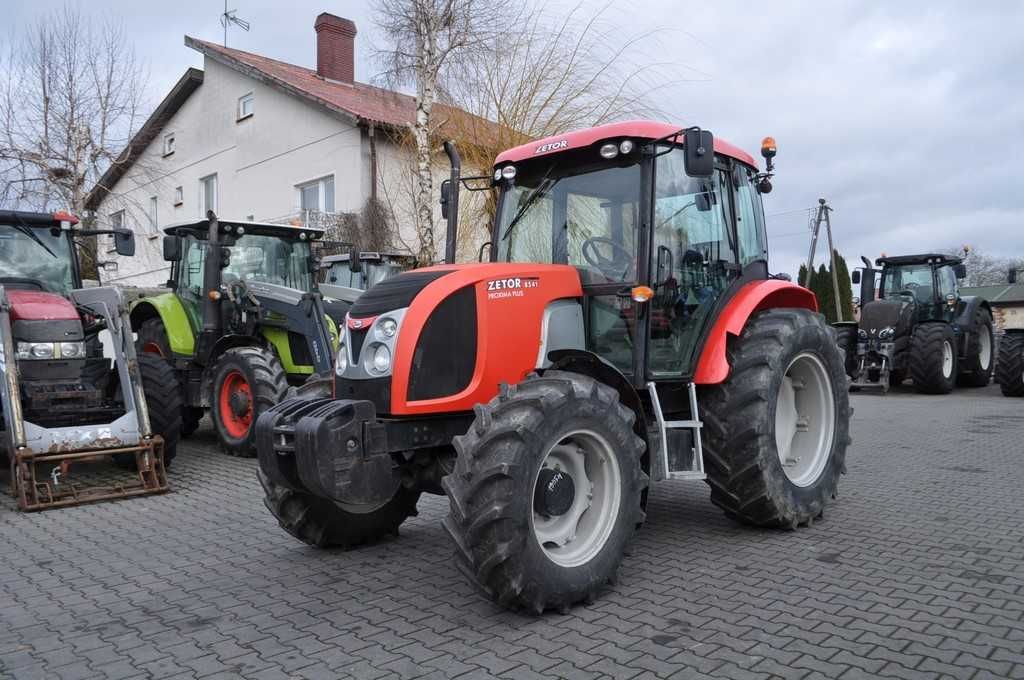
{"x":887,"y":333}
{"x":341,"y":363}
{"x":862,"y":334}
{"x":387,"y":327}
{"x":36,"y":350}
{"x":378,"y":359}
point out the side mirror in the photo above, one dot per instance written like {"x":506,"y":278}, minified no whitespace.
{"x":960,"y":270}
{"x":172,"y":248}
{"x":1011,"y":276}
{"x":355,"y":265}
{"x":124,"y":243}
{"x":445,"y":190}
{"x":855,"y":277}
{"x":663,"y":266}
{"x":699,"y":152}
{"x":704,"y":200}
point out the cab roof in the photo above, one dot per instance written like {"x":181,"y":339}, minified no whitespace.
{"x":33,"y":219}
{"x":634,"y":129}
{"x":261,"y":228}
{"x":925,"y":258}
{"x":365,"y":255}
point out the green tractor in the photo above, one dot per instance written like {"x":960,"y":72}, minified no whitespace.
{"x":242,"y":323}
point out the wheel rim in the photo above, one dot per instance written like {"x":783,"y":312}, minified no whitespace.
{"x":985,"y":349}
{"x":947,"y":359}
{"x":578,"y":534}
{"x":152,"y":348}
{"x":235,"y":402}
{"x":805,"y":419}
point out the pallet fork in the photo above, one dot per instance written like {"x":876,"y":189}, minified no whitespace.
{"x":41,"y":457}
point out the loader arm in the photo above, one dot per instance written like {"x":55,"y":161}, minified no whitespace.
{"x":305,"y":314}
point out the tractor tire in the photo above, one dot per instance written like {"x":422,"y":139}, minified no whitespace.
{"x":933,"y":358}
{"x":846,"y":340}
{"x":762,"y":469}
{"x":522,"y":534}
{"x":163,"y":403}
{"x":323,"y":524}
{"x":246,"y":382}
{"x":151,"y":338}
{"x":976,"y":369}
{"x":1010,"y":371}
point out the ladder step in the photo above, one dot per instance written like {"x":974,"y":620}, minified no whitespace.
{"x":687,"y":475}
{"x":681,"y":424}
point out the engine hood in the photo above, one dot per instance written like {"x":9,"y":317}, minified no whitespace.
{"x":879,"y":314}
{"x":33,"y":305}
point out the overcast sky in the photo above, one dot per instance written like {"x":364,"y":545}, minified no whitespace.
{"x":908,"y":117}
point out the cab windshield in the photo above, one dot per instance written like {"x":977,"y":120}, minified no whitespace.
{"x":908,"y":279}
{"x":370,"y":275}
{"x":34,"y":258}
{"x":567,"y":213}
{"x":254,"y":257}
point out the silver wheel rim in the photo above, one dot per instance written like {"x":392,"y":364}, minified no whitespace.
{"x":985,"y":349}
{"x":578,"y":535}
{"x":947,"y":359}
{"x":805,"y":419}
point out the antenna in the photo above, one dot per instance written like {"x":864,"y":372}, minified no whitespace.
{"x":228,"y":18}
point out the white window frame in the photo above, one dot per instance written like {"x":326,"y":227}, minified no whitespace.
{"x":116,"y":222}
{"x":154,"y":216}
{"x":169,"y":140}
{"x":179,"y":196}
{"x":249,"y":99}
{"x":202,"y":195}
{"x":321,"y":194}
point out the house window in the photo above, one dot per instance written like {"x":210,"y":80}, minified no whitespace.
{"x":168,"y":143}
{"x":207,"y":195}
{"x":317,"y":195}
{"x":116,"y":222}
{"x":245,"y":104}
{"x":179,"y":196}
{"x":152,"y":214}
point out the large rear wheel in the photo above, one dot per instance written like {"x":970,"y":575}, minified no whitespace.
{"x":546,"y":491}
{"x":777,"y":429}
{"x":933,"y":358}
{"x":1010,"y":371}
{"x":322,"y":524}
{"x":246,"y":382}
{"x":976,"y":369}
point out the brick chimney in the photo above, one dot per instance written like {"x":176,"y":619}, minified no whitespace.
{"x":335,"y":48}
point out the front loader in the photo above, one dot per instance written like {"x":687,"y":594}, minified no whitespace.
{"x":63,"y":403}
{"x":625,"y":331}
{"x":242,"y":324}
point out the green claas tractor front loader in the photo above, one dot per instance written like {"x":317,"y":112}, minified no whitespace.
{"x":242,"y":323}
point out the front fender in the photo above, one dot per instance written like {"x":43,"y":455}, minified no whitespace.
{"x":168,"y":308}
{"x":757,"y":296}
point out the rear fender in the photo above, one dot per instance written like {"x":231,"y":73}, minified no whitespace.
{"x":168,"y":308}
{"x":757,"y":296}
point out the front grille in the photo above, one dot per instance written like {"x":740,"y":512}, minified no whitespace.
{"x":358,"y":336}
{"x":445,"y":355}
{"x":54,"y":404}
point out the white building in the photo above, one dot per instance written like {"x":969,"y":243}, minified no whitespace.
{"x":254,"y":138}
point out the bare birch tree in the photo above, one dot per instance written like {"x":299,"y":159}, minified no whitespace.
{"x":71,"y":93}
{"x":428,"y":39}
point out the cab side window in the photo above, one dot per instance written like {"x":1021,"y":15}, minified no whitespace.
{"x":947,"y":281}
{"x":192,"y":267}
{"x":749,"y":218}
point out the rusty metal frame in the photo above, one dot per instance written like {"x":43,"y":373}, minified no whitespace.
{"x":29,"y":445}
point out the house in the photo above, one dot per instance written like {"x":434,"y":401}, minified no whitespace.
{"x":1007,"y":301}
{"x":254,"y":138}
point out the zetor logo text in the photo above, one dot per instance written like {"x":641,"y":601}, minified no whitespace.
{"x":509,"y":288}
{"x":552,"y":146}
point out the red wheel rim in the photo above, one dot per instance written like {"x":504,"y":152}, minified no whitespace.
{"x":152,"y":348}
{"x":236,"y":418}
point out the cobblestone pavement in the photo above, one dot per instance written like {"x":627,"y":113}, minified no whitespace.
{"x":915,"y":572}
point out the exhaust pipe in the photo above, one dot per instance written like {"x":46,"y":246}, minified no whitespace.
{"x":450,"y":201}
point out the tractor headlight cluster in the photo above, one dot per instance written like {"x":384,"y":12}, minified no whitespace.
{"x":887,"y":333}
{"x":51,"y":350}
{"x":387,"y":327}
{"x":862,"y":334}
{"x":378,"y":359}
{"x":341,"y":362}
{"x":374,"y":356}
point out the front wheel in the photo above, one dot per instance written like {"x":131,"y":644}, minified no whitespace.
{"x":933,"y":358}
{"x":546,"y":491}
{"x":246,"y":382}
{"x":776,"y":431}
{"x":976,"y":370}
{"x":1010,"y":372}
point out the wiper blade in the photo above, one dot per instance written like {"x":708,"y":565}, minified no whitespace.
{"x":28,"y":231}
{"x":542,"y":187}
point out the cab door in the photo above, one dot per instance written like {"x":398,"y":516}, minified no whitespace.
{"x":190,"y":280}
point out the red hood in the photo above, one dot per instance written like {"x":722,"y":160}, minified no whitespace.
{"x":32,"y":305}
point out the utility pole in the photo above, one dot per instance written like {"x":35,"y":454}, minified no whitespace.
{"x":823,"y":216}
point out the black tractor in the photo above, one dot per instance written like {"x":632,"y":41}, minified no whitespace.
{"x":919,"y":327}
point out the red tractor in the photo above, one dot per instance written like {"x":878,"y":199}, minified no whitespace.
{"x":626,"y":330}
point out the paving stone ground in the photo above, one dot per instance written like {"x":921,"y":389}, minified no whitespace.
{"x":917,"y":571}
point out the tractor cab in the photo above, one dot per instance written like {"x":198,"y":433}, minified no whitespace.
{"x":345,"y":277}
{"x":656,"y":241}
{"x":928,"y":281}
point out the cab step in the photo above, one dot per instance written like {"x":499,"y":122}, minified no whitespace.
{"x":681,"y":452}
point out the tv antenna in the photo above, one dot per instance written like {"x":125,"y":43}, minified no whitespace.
{"x":228,"y":18}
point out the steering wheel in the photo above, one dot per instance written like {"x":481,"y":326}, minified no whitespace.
{"x":610,"y":266}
